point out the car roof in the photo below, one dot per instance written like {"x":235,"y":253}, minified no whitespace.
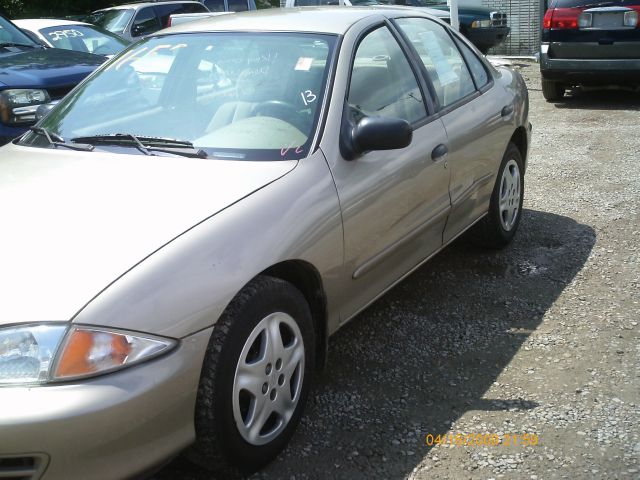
{"x":332,"y":19}
{"x":38,"y":23}
{"x":146,"y":4}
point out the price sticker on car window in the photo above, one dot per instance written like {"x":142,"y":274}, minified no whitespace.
{"x":304,"y":64}
{"x":445,"y":71}
{"x":60,"y":34}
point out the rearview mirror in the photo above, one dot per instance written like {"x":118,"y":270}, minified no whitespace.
{"x":378,"y":133}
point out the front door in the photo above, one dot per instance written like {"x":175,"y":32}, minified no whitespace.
{"x":394,"y":203}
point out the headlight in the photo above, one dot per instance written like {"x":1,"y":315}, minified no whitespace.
{"x":481,"y":24}
{"x":45,"y":353}
{"x":19,"y":105}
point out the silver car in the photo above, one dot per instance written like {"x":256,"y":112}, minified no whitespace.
{"x":183,"y":232}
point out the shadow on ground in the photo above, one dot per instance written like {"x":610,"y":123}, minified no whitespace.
{"x":591,"y":98}
{"x":426,"y":353}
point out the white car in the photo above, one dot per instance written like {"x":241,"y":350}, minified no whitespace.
{"x":72,"y":35}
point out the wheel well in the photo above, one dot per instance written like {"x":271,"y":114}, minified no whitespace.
{"x":519,"y":139}
{"x":306,"y":278}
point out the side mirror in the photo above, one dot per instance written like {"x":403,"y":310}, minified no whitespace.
{"x":377,"y":133}
{"x":136,"y":30}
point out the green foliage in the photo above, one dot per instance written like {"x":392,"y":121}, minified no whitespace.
{"x":47,"y":8}
{"x":11,"y":7}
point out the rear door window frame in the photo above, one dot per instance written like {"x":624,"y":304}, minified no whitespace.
{"x":439,"y":109}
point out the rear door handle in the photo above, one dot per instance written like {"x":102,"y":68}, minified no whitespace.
{"x":508,"y":110}
{"x":439,"y":152}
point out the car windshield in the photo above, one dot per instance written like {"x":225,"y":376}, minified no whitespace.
{"x":11,"y":35}
{"x":232,"y":95}
{"x":84,"y":38}
{"x":114,"y":20}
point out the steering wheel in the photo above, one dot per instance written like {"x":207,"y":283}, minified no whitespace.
{"x":284,"y":111}
{"x":102,"y":50}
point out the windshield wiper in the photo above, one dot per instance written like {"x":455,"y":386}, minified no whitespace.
{"x":147,"y":145}
{"x":15,"y":44}
{"x":57,"y":141}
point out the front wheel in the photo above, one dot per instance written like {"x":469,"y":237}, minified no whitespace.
{"x":255,"y":378}
{"x":498,"y":227}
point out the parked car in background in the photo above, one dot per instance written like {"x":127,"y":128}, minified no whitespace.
{"x":134,"y":20}
{"x":229,"y":5}
{"x":444,"y":16}
{"x":72,"y":35}
{"x":190,"y":17}
{"x":32,"y":75}
{"x":589,"y":43}
{"x":211,"y":235}
{"x":486,"y":28}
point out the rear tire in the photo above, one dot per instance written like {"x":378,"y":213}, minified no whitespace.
{"x":552,"y":91}
{"x":499,"y":226}
{"x":255,"y":378}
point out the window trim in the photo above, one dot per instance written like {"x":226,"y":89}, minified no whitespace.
{"x":440,"y":110}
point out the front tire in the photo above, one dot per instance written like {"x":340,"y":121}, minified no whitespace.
{"x":255,"y":378}
{"x":499,"y":226}
{"x":552,"y":91}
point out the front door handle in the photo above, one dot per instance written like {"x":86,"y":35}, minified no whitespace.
{"x":506,"y":111}
{"x":439,"y":152}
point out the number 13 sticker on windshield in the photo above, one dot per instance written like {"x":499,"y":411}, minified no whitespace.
{"x":308,"y":97}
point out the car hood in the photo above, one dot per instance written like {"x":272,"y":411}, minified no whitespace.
{"x":46,"y":68}
{"x":73,"y":222}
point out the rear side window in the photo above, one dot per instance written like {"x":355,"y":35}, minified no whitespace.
{"x":441,"y":58}
{"x":214,"y":5}
{"x":238,"y":5}
{"x":166,"y":10}
{"x":478,"y":70}
{"x":145,"y":22}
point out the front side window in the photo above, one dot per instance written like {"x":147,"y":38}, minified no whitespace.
{"x":382,"y":82}
{"x":84,"y":38}
{"x":115,"y":20}
{"x":441,"y":58}
{"x":253,"y":96}
{"x":145,"y":22}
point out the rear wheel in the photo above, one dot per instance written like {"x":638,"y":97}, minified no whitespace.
{"x":255,"y":378}
{"x":552,"y":91}
{"x":498,"y":227}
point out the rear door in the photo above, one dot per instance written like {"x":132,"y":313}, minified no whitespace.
{"x":476,"y":118}
{"x":590,"y":29}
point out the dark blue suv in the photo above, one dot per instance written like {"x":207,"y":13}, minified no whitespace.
{"x":32,"y":75}
{"x":589,"y":42}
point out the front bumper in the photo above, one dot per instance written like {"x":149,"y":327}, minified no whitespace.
{"x":589,"y":70}
{"x":109,"y":427}
{"x":487,"y":37}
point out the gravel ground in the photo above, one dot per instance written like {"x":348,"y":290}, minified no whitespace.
{"x":540,"y":338}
